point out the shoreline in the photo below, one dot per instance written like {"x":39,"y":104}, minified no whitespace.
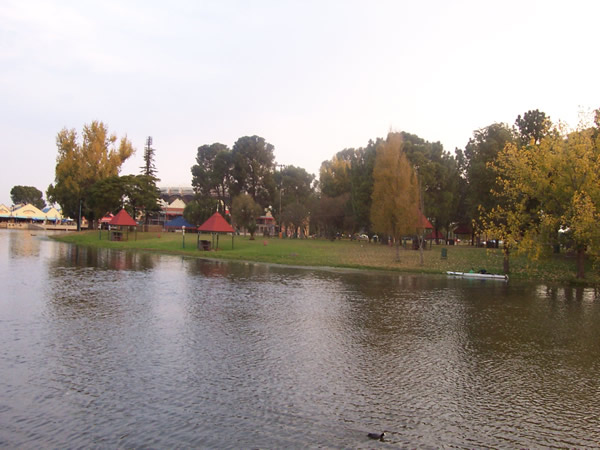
{"x":346,"y":255}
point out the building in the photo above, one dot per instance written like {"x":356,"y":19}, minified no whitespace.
{"x":28,"y":216}
{"x":52,"y":213}
{"x":169,"y":194}
{"x":174,"y":209}
{"x":266,"y":225}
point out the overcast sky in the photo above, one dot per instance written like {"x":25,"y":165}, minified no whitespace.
{"x":311,"y":77}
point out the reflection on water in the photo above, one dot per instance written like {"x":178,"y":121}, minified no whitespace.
{"x":107,"y":348}
{"x":22,"y":243}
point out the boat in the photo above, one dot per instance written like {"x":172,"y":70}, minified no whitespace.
{"x":479,"y":276}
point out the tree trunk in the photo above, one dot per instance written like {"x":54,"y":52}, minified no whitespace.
{"x":421,"y":261}
{"x":506,"y":261}
{"x":397,"y":250}
{"x":581,"y":262}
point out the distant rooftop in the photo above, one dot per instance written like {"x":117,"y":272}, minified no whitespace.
{"x":174,"y":190}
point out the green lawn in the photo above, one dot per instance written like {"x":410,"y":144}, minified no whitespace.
{"x":344,"y":254}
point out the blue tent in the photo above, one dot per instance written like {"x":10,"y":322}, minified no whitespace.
{"x":179,"y":222}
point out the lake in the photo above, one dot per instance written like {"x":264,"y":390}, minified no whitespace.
{"x":104,"y":348}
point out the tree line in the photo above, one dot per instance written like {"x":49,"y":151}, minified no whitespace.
{"x":533,"y":185}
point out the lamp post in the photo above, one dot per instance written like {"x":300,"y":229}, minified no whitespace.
{"x":79,"y":221}
{"x":183,"y":236}
{"x":281,"y":166}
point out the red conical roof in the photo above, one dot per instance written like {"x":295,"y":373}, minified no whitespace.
{"x":123,"y":219}
{"x":424,"y":223}
{"x":216,"y":224}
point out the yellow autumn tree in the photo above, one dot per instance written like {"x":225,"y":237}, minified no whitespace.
{"x":548,"y":192}
{"x":79,"y":165}
{"x":394,"y":209}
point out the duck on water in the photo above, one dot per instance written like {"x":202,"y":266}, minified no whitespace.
{"x":378,"y":436}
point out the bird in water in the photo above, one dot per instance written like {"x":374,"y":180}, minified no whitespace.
{"x":376,"y":436}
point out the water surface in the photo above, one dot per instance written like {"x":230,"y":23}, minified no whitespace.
{"x":103,"y":348}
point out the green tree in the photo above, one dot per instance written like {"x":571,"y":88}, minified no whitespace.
{"x":212,"y":173}
{"x":295,"y":185}
{"x":140,"y":194}
{"x":532,"y":127}
{"x":200,"y":209}
{"x":133,"y":192}
{"x":27,"y":194}
{"x":350,"y":172}
{"x":79,"y":165}
{"x":555,"y":185}
{"x":149,"y":168}
{"x":294,"y":216}
{"x":106,"y":196}
{"x":394,"y":211}
{"x":150,"y":180}
{"x":328,"y":213}
{"x":362,"y":162}
{"x":480,"y":179}
{"x":334,"y":175}
{"x":245,"y":211}
{"x":439,"y":178}
{"x":253,"y":169}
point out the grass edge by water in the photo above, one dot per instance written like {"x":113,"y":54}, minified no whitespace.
{"x":344,"y":254}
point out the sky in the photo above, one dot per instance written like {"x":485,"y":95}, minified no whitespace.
{"x":311,"y":77}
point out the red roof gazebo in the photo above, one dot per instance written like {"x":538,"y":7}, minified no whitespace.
{"x":424,"y":223}
{"x":122,"y":219}
{"x":215,"y":224}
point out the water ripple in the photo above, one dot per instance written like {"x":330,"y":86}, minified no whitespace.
{"x":117,"y":350}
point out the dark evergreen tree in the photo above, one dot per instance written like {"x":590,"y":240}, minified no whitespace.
{"x":27,"y":194}
{"x":149,"y":169}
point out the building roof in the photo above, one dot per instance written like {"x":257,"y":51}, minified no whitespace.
{"x":27,"y":211}
{"x":177,"y":204}
{"x":123,"y":219}
{"x":173,"y":190}
{"x":178,"y":222}
{"x":107,"y":218}
{"x":268,"y":217}
{"x":216,"y":224}
{"x":52,"y":213}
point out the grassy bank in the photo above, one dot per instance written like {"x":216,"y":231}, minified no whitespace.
{"x":343,"y":254}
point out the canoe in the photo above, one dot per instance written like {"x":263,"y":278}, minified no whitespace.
{"x":479,"y":276}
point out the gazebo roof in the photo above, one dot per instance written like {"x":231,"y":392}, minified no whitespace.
{"x":216,"y":224}
{"x":123,"y":219}
{"x":424,"y":223}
